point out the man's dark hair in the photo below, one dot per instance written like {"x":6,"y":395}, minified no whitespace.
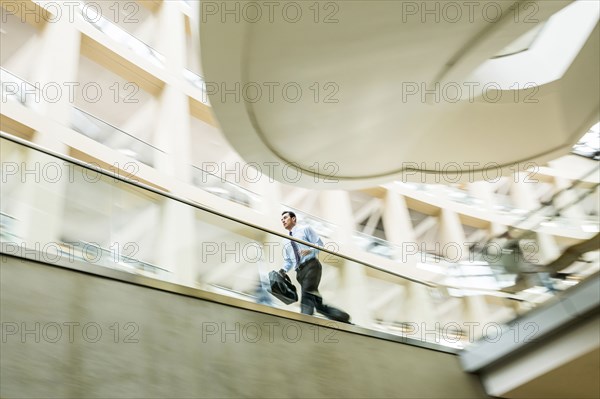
{"x":292,"y":214}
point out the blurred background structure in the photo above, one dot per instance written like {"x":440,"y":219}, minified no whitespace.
{"x":136,"y":239}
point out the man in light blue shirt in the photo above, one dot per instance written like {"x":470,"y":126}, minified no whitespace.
{"x":303,"y":259}
{"x":304,"y":233}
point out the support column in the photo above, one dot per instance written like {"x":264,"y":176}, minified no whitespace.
{"x":176,"y":248}
{"x":336,"y":205}
{"x":56,"y":65}
{"x":568,"y":196}
{"x":452,"y":236}
{"x":475,"y":310}
{"x":171,"y":41}
{"x":43,"y":195}
{"x":269,"y":202}
{"x":416,"y":305}
{"x":396,"y":220}
{"x":173,"y":136}
{"x":522,"y":192}
{"x":547,"y":250}
{"x":484,"y":191}
{"x":172,"y":133}
{"x":524,"y":198}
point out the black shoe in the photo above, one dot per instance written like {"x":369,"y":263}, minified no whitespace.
{"x":334,"y":313}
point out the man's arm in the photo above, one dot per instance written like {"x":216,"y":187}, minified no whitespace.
{"x":287,"y":259}
{"x":313,"y":238}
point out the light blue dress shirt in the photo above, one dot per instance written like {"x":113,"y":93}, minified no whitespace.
{"x":305,"y":233}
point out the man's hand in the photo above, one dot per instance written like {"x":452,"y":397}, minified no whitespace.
{"x":305,"y":252}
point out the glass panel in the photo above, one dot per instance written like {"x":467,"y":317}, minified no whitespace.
{"x":589,"y":145}
{"x":198,"y":82}
{"x":522,"y":218}
{"x":16,"y":89}
{"x":92,"y":15}
{"x":222,"y":188}
{"x":113,"y":137}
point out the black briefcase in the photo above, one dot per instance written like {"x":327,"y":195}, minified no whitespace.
{"x":282,"y":288}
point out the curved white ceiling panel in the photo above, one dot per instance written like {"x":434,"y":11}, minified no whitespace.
{"x":363,"y":92}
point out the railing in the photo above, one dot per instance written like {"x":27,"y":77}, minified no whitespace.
{"x":90,"y":15}
{"x":223,"y":188}
{"x":16,"y":89}
{"x":589,"y":145}
{"x":502,"y":207}
{"x":7,"y":225}
{"x":374,"y":245}
{"x":198,"y":82}
{"x":113,"y":137}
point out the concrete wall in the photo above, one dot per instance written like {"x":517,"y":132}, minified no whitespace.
{"x":170,"y":345}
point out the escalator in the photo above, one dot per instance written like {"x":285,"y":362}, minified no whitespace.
{"x":113,"y":288}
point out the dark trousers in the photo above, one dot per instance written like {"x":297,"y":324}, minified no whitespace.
{"x":309,"y":277}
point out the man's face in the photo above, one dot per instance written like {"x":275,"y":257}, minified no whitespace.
{"x":287,"y":221}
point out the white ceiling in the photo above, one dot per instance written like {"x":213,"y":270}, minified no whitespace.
{"x":363,"y":127}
